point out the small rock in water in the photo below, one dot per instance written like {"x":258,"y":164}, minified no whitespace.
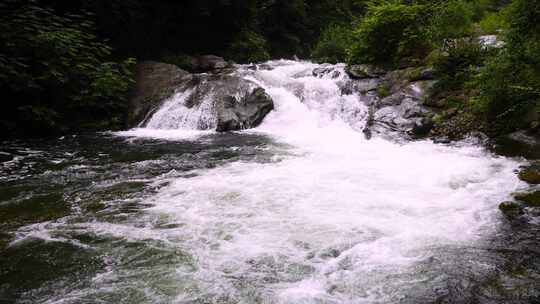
{"x":511,"y":209}
{"x":531,"y":199}
{"x":422,"y":127}
{"x":531,"y":174}
{"x":442,"y":140}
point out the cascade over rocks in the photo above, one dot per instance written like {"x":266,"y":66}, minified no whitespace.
{"x":223,"y":99}
{"x":246,"y":112}
{"x":396,"y":99}
{"x":155,"y":81}
{"x":215,"y":101}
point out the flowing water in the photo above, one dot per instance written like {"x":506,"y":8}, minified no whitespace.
{"x":302,"y":209}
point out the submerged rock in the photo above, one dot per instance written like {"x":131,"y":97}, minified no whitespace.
{"x":511,"y":209}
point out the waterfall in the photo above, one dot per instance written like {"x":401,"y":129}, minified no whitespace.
{"x":302,"y":208}
{"x":303,"y":99}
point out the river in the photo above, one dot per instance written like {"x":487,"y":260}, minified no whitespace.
{"x":302,"y":209}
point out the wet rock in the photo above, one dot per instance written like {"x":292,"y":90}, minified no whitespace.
{"x":209,"y":63}
{"x":435,"y":102}
{"x":521,"y":143}
{"x":363,"y":71}
{"x":427,"y":74}
{"x":229,"y":102}
{"x":155,"y":82}
{"x":422,"y":127}
{"x":401,"y":118}
{"x":236,"y":103}
{"x":442,"y":140}
{"x":392,"y":100}
{"x":531,"y":174}
{"x":478,"y":138}
{"x":511,"y":209}
{"x":361,"y":86}
{"x":531,"y":199}
{"x":265,"y":67}
{"x":325,"y":71}
{"x":246,"y":112}
{"x":420,"y":89}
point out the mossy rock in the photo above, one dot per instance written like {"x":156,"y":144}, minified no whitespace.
{"x":531,"y":174}
{"x":511,"y":209}
{"x":531,"y":199}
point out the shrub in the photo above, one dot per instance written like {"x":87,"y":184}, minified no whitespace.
{"x":247,"y":47}
{"x":510,"y":84}
{"x":333,"y":44}
{"x":182,"y":61}
{"x":55,"y":70}
{"x":457,"y":62}
{"x":389,"y":32}
{"x":494,"y":22}
{"x":450,"y":20}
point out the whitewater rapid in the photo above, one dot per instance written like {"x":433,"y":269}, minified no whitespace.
{"x":331,"y":217}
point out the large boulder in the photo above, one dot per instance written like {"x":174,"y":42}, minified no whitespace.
{"x":248,"y":111}
{"x":520,"y":143}
{"x":214,"y":102}
{"x":155,"y":82}
{"x":364,"y":71}
{"x":237,"y":103}
{"x":209,"y":64}
{"x":204,"y":101}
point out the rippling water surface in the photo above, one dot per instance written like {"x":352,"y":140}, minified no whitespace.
{"x":302,"y":209}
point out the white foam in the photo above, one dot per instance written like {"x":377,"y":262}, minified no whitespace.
{"x":166,"y":134}
{"x":379,"y":206}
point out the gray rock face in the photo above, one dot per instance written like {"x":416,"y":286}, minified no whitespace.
{"x":237,"y":103}
{"x":326,"y":71}
{"x":155,"y":82}
{"x":364,"y":71}
{"x":402,"y":111}
{"x":225,"y":102}
{"x":245,"y":112}
{"x":209,"y":63}
{"x":520,"y":143}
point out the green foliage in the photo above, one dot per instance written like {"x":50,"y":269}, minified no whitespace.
{"x":450,"y":20}
{"x":457,"y":63}
{"x":56,"y":69}
{"x":494,"y":22}
{"x":383,"y":91}
{"x":248,"y":47}
{"x":390,"y":32}
{"x":510,"y":84}
{"x":333,"y":44}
